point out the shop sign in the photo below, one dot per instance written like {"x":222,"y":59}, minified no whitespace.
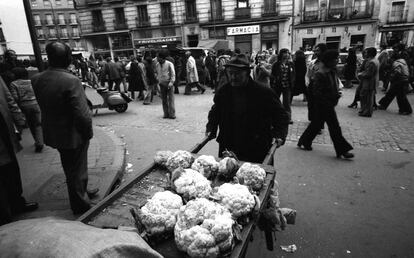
{"x":165,"y":40}
{"x":241,"y":30}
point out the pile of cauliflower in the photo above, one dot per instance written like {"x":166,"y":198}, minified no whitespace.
{"x":159,"y":214}
{"x":251,"y":175}
{"x":237,"y":198}
{"x":204,"y":229}
{"x":161,"y":157}
{"x":206,"y":165}
{"x":191,"y":184}
{"x":179,"y":159}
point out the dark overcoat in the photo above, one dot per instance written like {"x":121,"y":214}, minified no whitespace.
{"x":265,"y":119}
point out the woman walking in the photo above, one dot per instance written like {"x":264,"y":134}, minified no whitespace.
{"x":326,"y":95}
{"x":369,"y":81}
{"x":300,"y":72}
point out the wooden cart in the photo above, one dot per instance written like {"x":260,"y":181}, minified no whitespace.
{"x":114,"y":210}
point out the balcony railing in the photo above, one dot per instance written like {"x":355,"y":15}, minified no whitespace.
{"x":242,"y":13}
{"x":269,"y":9}
{"x":166,"y":19}
{"x":92,"y":2}
{"x":98,"y":26}
{"x":120,"y":25}
{"x":64,"y":35}
{"x":337,"y":13}
{"x":216,"y":15}
{"x":38,"y":23}
{"x":75,"y":35}
{"x":52,"y":36}
{"x":397,"y":16}
{"x":191,"y":18}
{"x":62,"y":22}
{"x":311,"y":16}
{"x":334,"y":14}
{"x":142,"y":23}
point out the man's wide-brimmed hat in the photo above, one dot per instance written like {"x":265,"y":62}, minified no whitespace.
{"x":239,"y":61}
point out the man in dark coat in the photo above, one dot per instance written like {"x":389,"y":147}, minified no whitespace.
{"x":249,"y":116}
{"x":11,"y":199}
{"x":66,"y":121}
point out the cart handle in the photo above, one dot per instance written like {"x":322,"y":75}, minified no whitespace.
{"x":200,"y":145}
{"x":268,"y":160}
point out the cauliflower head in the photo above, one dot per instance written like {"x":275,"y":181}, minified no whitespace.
{"x":251,"y":175}
{"x":161,"y":157}
{"x":159,"y":214}
{"x":206,"y":165}
{"x":191,"y":184}
{"x":228,"y":167}
{"x":182,"y":159}
{"x":204,"y":228}
{"x":237,"y":198}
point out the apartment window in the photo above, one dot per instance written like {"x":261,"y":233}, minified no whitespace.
{"x":49,"y":19}
{"x":33,"y":2}
{"x":142,"y":13}
{"x":358,"y":42}
{"x":242,"y":3}
{"x":75,"y":31}
{"x":52,"y":32}
{"x":311,"y":10}
{"x":39,"y":33}
{"x":190,"y":8}
{"x":119,"y":15}
{"x":360,"y":6}
{"x":73,"y":18}
{"x":397,"y":9}
{"x":311,"y":5}
{"x":216,"y":10}
{"x":336,"y":9}
{"x":58,"y":2}
{"x":64,"y":32}
{"x":97,"y":17}
{"x":36,"y":18}
{"x":166,"y":11}
{"x":61,"y":18}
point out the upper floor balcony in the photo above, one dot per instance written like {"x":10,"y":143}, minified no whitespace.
{"x":166,"y":19}
{"x":215,"y":15}
{"x":120,"y":24}
{"x":140,"y":23}
{"x":191,"y":18}
{"x":269,"y":10}
{"x":242,"y":13}
{"x":397,"y":16}
{"x":337,"y":14}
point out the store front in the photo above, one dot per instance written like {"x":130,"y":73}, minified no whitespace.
{"x":270,"y":36}
{"x":244,"y":36}
{"x":170,"y":43}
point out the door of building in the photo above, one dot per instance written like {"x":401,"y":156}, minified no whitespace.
{"x":244,"y":43}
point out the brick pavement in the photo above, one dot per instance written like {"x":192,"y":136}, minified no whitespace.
{"x":44,"y":181}
{"x":386,"y":130}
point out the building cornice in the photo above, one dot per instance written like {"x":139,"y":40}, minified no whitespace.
{"x":104,"y":33}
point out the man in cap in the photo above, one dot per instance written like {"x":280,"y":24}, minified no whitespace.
{"x":249,"y":116}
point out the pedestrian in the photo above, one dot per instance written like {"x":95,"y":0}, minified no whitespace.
{"x":143,"y":81}
{"x":200,"y":66}
{"x":11,"y":200}
{"x":313,"y":68}
{"x":350,"y":68}
{"x":83,"y":68}
{"x":151,"y":79}
{"x":300,"y":72}
{"x":93,"y":69}
{"x":262,"y":71}
{"x":325,"y":96}
{"x":248,"y":116}
{"x":192,"y":75}
{"x":178,"y":66}
{"x":23,"y":94}
{"x":357,"y":94}
{"x":384,"y":67}
{"x":399,"y":79}
{"x":135,"y":77}
{"x":122,"y":74}
{"x":283,"y":79}
{"x":101,"y":71}
{"x":166,"y":77}
{"x":66,"y":122}
{"x":10,"y":62}
{"x":212,"y":69}
{"x":369,"y":81}
{"x":113,"y":71}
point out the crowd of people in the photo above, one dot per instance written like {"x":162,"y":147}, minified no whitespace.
{"x":247,"y":115}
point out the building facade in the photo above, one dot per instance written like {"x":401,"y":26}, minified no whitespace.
{"x":57,"y":20}
{"x":396,"y":22}
{"x":117,"y":27}
{"x":338,"y":23}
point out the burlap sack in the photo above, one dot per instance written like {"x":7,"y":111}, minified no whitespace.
{"x":49,"y":237}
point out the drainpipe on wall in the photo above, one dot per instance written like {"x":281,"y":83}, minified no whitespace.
{"x":293,"y":23}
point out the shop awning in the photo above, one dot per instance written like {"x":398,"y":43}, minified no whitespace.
{"x":215,"y":44}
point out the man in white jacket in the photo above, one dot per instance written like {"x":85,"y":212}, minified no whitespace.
{"x":192,"y":75}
